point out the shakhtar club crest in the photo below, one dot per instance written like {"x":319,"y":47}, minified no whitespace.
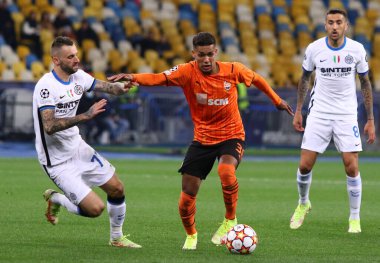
{"x":227,"y":85}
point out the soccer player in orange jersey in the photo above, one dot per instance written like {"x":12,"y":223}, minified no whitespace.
{"x":210,"y":90}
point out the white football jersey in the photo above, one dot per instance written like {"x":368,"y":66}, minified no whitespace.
{"x":334,"y":92}
{"x":53,"y":93}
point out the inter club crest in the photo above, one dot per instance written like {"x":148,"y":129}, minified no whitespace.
{"x":349,"y":59}
{"x":78,"y":89}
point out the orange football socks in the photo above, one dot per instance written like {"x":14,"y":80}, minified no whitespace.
{"x":187,"y":209}
{"x":230,"y":188}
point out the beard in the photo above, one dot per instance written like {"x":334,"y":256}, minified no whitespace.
{"x":67,"y":69}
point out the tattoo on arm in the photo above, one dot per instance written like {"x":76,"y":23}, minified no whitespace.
{"x":367,"y":95}
{"x":52,"y":124}
{"x":303,"y":87}
{"x":108,"y":87}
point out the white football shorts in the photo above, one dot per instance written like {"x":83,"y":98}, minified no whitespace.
{"x":319,"y":132}
{"x":77,"y":175}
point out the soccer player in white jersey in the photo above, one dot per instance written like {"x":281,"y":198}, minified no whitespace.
{"x":332,"y":111}
{"x":66,"y":158}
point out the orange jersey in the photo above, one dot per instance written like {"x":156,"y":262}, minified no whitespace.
{"x":212,"y":99}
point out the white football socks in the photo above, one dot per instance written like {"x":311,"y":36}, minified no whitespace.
{"x":354,"y":190}
{"x":62,"y":200}
{"x":117,"y":215}
{"x":303,"y":183}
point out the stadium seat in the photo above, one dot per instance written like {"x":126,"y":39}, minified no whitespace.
{"x":22,"y":52}
{"x":161,"y":65}
{"x":99,"y":75}
{"x":41,"y":4}
{"x":30,"y":59}
{"x":131,"y":10}
{"x":23,"y":3}
{"x":134,"y":65}
{"x":8,"y":75}
{"x":59,"y":4}
{"x":336,"y":4}
{"x":46,"y":61}
{"x":303,"y":39}
{"x":46,"y":46}
{"x":212,"y":3}
{"x":2,"y":40}
{"x":3,"y":66}
{"x":26,"y":75}
{"x":37,"y":69}
{"x":11,"y":58}
{"x":151,"y":5}
{"x":94,"y":54}
{"x":18,"y":19}
{"x":261,"y":9}
{"x":106,"y":46}
{"x":91,"y":13}
{"x":144,"y":69}
{"x":87,"y":44}
{"x":363,"y":39}
{"x":178,"y":61}
{"x":46,"y":36}
{"x":99,"y":65}
{"x":151,"y":56}
{"x":265,"y":23}
{"x":116,"y":60}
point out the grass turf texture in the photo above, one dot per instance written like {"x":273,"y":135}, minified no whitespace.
{"x":268,"y":197}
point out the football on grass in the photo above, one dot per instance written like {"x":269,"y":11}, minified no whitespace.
{"x":241,"y":239}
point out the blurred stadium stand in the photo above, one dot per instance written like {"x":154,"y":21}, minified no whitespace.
{"x":269,"y":36}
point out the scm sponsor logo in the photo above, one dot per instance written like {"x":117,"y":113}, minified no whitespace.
{"x":217,"y":102}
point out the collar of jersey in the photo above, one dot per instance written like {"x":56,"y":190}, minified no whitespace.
{"x":57,"y":78}
{"x":335,"y":49}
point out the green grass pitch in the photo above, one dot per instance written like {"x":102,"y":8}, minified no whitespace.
{"x":267,"y":198}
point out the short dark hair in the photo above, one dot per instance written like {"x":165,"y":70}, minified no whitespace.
{"x":60,"y":42}
{"x":334,"y":11}
{"x":203,"y":39}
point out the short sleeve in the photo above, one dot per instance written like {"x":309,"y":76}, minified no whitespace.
{"x":362,"y":65}
{"x":245,"y":75}
{"x":177,"y":75}
{"x":308,"y":64}
{"x":44,"y":97}
{"x":87,"y":80}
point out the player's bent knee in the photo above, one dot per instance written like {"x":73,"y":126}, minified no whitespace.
{"x":95,"y":210}
{"x":92,"y":205}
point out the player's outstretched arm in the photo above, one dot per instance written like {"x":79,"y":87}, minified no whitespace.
{"x":121,"y":77}
{"x":285,"y":106}
{"x":145,"y":79}
{"x":114,"y":88}
{"x":303,"y":87}
{"x":51,"y":124}
{"x":366,"y":88}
